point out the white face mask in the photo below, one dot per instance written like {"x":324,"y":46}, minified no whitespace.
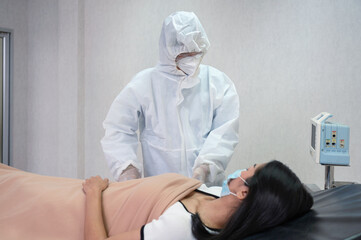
{"x":189,"y":65}
{"x":225,"y":188}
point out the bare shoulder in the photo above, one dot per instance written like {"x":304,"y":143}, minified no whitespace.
{"x":193,"y":200}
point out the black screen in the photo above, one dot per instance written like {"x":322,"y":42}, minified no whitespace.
{"x":313,"y":137}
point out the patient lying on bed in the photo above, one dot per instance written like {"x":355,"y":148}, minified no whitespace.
{"x":168,"y":206}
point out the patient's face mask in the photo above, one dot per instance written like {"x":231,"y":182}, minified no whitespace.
{"x":189,"y":65}
{"x":225,"y":188}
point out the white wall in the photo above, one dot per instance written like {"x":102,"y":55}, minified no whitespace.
{"x":13,"y":15}
{"x":44,"y":88}
{"x":52,"y":93}
{"x":289,"y":60}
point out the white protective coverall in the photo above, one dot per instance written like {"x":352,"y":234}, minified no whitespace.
{"x":184,"y":121}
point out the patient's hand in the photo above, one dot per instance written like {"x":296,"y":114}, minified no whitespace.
{"x":95,"y":184}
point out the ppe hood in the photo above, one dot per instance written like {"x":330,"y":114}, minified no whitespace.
{"x":181,"y":32}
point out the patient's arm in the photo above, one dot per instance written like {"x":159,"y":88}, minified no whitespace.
{"x":94,"y":224}
{"x":94,"y":228}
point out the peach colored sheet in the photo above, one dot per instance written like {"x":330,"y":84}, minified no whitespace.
{"x":40,"y":207}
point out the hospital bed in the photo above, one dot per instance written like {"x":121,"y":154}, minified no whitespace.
{"x":336,"y":214}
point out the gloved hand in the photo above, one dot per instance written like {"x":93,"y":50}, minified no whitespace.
{"x":201,"y":172}
{"x":128,"y":174}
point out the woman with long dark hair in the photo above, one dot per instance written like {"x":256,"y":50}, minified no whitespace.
{"x":254,"y":199}
{"x":168,"y":206}
{"x":275,"y":195}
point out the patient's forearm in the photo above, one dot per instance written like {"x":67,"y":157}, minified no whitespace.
{"x":94,"y":225}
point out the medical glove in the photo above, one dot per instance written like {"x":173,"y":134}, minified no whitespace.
{"x":128,"y":174}
{"x":201,"y":172}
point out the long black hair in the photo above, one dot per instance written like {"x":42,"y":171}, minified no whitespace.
{"x":275,"y":195}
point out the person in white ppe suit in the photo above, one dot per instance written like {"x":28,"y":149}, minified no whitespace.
{"x":186,"y":113}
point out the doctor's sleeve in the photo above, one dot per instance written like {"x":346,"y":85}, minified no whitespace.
{"x":219,"y":146}
{"x":120,"y":142}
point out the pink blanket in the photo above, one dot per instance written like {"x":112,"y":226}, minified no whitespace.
{"x":41,"y":207}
